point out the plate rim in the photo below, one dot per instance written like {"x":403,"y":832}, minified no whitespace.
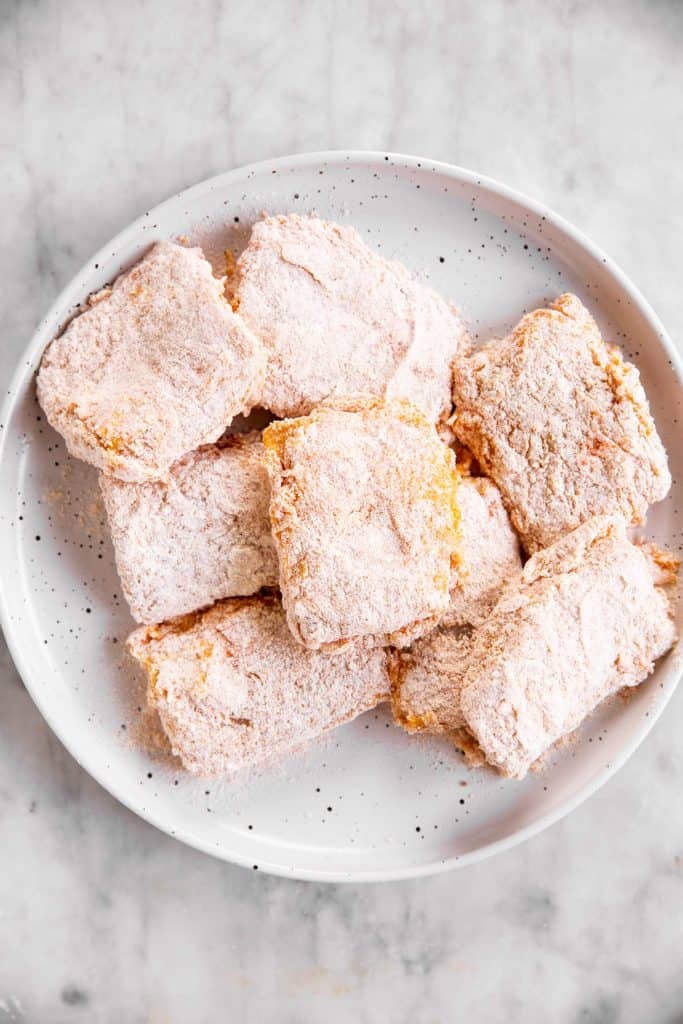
{"x":99,"y":774}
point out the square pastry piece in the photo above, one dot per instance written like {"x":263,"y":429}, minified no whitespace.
{"x":585,"y":618}
{"x":364,"y":514}
{"x":156,"y":366}
{"x":338,"y":319}
{"x":561,"y":423}
{"x":233,"y":688}
{"x":201,"y":535}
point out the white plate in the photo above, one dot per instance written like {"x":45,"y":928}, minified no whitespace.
{"x":369,"y":802}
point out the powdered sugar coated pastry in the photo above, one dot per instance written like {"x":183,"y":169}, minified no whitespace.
{"x":337,"y":319}
{"x":489,"y":553}
{"x":561,"y":423}
{"x":364,"y":515}
{"x":233,"y":688}
{"x":585,"y":618}
{"x":201,"y":535}
{"x":156,"y":366}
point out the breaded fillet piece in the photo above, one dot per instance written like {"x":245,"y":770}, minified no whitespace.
{"x":489,"y":553}
{"x":233,"y":688}
{"x":561,"y":423}
{"x":156,"y":366}
{"x":364,"y":515}
{"x":337,"y":319}
{"x":586,"y":617}
{"x":425,"y":679}
{"x":202,"y":535}
{"x":426,"y":682}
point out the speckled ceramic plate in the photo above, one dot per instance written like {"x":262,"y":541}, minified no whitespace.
{"x":369,"y":802}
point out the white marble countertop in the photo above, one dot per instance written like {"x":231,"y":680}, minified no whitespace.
{"x":106,"y":109}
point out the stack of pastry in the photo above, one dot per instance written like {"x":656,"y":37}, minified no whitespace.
{"x":369,"y":545}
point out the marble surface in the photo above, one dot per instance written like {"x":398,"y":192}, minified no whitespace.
{"x":106,"y":109}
